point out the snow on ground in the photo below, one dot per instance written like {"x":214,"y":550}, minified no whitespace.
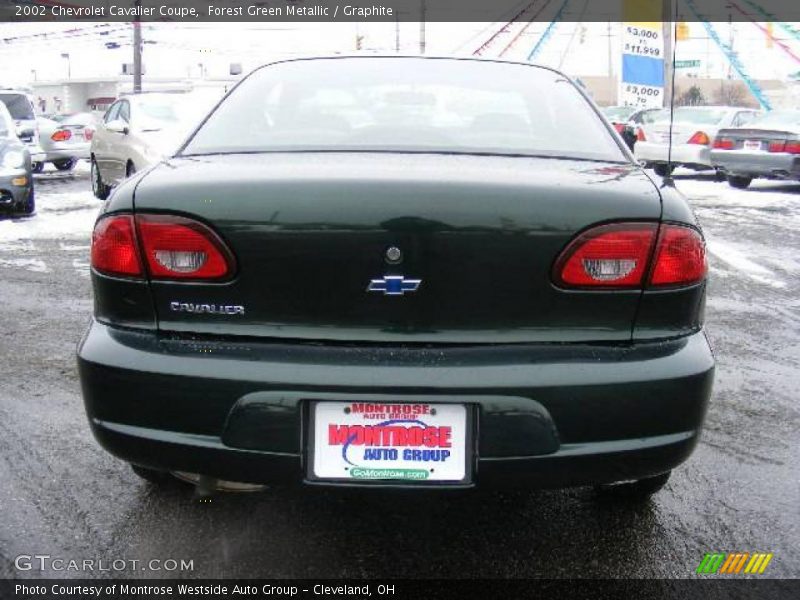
{"x":738,"y":225}
{"x":65,"y":212}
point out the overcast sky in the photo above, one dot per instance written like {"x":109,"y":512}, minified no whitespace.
{"x":29,"y":50}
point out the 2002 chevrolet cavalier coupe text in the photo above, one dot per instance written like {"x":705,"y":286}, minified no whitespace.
{"x":399,"y":271}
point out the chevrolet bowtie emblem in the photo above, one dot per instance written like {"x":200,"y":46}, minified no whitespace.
{"x":393,"y":285}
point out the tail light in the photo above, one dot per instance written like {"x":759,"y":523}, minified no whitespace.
{"x":114,"y":250}
{"x":790,"y":147}
{"x":640,"y":136}
{"x":680,"y":257}
{"x":619,"y":127}
{"x":170,"y":247}
{"x":723,"y":144}
{"x":700,"y":138}
{"x":62,"y":135}
{"x":88,"y":133}
{"x":632,"y":256}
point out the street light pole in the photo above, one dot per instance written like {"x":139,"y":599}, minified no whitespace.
{"x":69,"y":64}
{"x":137,"y":52}
{"x":422,"y":11}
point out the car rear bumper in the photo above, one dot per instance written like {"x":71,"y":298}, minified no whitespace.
{"x":757,"y":164}
{"x":67,"y":151}
{"x":547,"y":415}
{"x":682,"y":154}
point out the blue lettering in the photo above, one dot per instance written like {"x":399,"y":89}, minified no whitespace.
{"x":380,"y":454}
{"x":425,"y":455}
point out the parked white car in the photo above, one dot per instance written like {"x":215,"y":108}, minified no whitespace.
{"x":140,"y":130}
{"x":65,"y":139}
{"x":693,"y":131}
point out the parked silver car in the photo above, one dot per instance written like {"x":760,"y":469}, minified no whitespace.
{"x":66,"y":139}
{"x":140,"y":130}
{"x":693,"y":131}
{"x":20,"y":105}
{"x":769,"y":147}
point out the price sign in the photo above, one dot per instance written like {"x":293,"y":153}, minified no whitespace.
{"x":642,"y":81}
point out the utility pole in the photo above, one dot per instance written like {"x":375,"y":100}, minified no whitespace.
{"x":668,"y":25}
{"x":137,"y":52}
{"x":422,"y":10}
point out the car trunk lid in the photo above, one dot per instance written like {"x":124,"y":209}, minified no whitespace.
{"x":311,"y":231}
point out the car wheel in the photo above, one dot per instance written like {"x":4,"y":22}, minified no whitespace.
{"x":634,"y":490}
{"x":99,"y":189}
{"x":65,"y":165}
{"x":37,"y":167}
{"x":152,"y":475}
{"x":29,"y":206}
{"x":719,"y":176}
{"x":663,"y":169}
{"x":739,"y":182}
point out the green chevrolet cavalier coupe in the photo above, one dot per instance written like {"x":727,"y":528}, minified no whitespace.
{"x":395,"y":271}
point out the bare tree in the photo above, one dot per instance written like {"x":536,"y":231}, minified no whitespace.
{"x":732,"y":93}
{"x":691,"y":97}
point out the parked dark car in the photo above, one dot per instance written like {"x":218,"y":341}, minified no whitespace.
{"x":767,"y":148}
{"x":16,"y":180}
{"x":402,"y":272}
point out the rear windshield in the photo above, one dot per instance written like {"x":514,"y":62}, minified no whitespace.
{"x":406,"y":105}
{"x":18,"y":105}
{"x":698,"y":116}
{"x":778,"y":118}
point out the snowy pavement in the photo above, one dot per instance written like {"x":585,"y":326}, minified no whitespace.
{"x":738,"y":492}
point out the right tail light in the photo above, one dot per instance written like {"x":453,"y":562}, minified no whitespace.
{"x":633,"y":256}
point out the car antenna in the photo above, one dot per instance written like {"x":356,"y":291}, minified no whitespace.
{"x":668,"y":180}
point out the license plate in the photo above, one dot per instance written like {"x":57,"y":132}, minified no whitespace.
{"x":390,"y":442}
{"x":752,"y":145}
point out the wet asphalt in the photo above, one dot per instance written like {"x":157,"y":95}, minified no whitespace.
{"x":62,"y":495}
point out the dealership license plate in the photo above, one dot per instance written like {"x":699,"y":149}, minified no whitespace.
{"x":752,"y":145}
{"x":399,"y":442}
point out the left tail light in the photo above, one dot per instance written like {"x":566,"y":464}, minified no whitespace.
{"x":640,"y":136}
{"x":114,"y":250}
{"x":700,"y":138}
{"x":62,"y":135}
{"x":632,"y":256}
{"x":165,"y":247}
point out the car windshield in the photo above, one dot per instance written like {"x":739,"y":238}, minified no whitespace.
{"x":174,"y":111}
{"x":7,"y":128}
{"x":406,"y":105}
{"x":697,"y":116}
{"x":778,"y":118}
{"x":18,"y":106}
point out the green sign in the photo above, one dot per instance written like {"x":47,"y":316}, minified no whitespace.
{"x":686,"y":64}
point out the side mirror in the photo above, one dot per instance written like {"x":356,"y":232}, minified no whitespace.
{"x":118,"y":126}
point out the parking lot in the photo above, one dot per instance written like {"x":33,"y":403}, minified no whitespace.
{"x":65,"y":496}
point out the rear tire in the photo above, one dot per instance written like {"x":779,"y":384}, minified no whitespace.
{"x":30,"y":204}
{"x":641,"y":489}
{"x":65,"y":165}
{"x":152,"y":475}
{"x":739,"y":182}
{"x":99,"y":188}
{"x":37,"y":167}
{"x":663,"y":169}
